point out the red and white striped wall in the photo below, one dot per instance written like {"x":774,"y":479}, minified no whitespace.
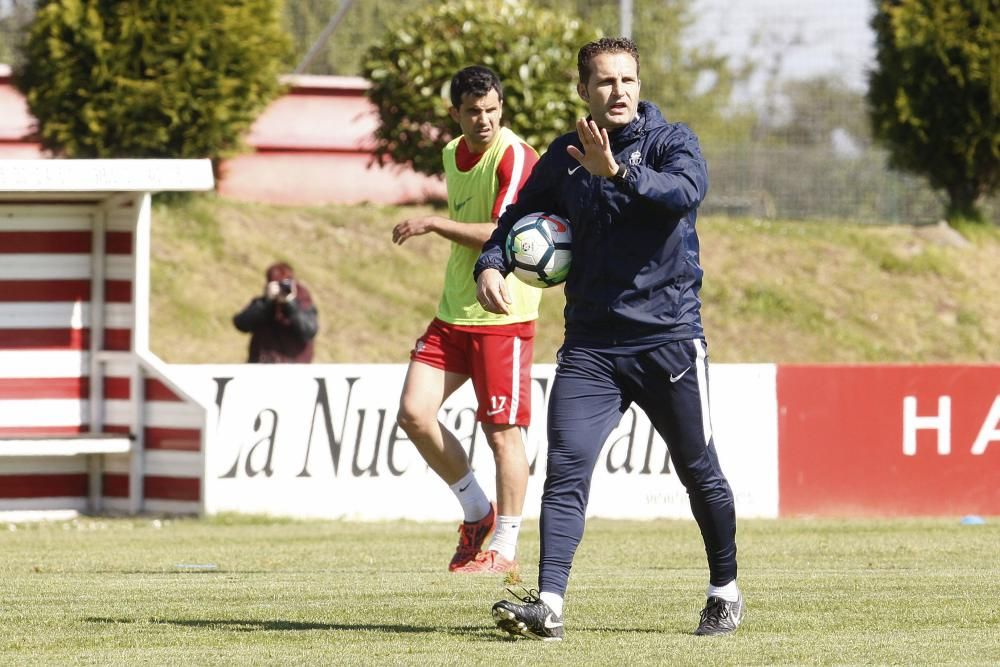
{"x":170,"y":427}
{"x":74,"y":359}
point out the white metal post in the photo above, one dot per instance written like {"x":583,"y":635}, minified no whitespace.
{"x":142,"y":203}
{"x":95,"y":462}
{"x":625,"y":17}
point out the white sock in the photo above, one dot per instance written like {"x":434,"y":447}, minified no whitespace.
{"x":504,"y":540}
{"x":730,"y":592}
{"x":475,"y":504}
{"x":554,"y":600}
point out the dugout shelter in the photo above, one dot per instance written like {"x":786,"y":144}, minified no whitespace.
{"x":90,"y":419}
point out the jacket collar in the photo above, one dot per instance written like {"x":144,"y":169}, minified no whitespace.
{"x":647,"y":116}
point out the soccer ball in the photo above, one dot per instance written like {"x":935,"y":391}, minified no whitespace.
{"x":538,"y":249}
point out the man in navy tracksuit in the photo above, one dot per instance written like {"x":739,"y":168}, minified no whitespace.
{"x":630,"y":184}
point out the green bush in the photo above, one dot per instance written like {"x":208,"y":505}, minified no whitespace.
{"x":532,"y":50}
{"x":935,"y":95}
{"x":150,"y":78}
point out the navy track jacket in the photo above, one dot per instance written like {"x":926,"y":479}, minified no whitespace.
{"x":635,"y":274}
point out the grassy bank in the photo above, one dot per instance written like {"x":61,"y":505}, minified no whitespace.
{"x":774,"y":291}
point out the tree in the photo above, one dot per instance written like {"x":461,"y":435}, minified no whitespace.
{"x":934,"y":95}
{"x":533,"y":50}
{"x":690,"y":82}
{"x":150,"y":78}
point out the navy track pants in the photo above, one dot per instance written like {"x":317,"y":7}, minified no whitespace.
{"x":591,"y":391}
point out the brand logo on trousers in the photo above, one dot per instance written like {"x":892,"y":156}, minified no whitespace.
{"x":675,"y":378}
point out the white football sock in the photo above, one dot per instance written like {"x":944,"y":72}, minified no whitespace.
{"x":554,"y":600}
{"x":475,"y":504}
{"x":504,"y":540}
{"x":730,"y":592}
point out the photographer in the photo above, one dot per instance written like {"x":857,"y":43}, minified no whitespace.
{"x":282,"y":323}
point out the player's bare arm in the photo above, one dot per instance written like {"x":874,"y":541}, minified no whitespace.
{"x":491,"y":292}
{"x":473,"y":235}
{"x":596,"y":157}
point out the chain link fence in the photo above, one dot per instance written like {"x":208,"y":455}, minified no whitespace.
{"x":815,"y":183}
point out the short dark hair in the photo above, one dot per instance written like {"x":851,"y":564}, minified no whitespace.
{"x":477,"y":81}
{"x":604,"y":45}
{"x":279,"y":271}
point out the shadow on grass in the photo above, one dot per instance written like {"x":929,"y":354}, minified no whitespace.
{"x":241,"y":625}
{"x":489,"y":633}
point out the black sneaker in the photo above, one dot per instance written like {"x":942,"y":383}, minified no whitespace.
{"x":534,"y":619}
{"x":720,"y":617}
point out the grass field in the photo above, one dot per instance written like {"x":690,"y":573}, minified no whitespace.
{"x":125,"y":592}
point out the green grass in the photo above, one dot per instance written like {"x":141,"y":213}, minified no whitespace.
{"x":792,"y":292}
{"x":111,"y":592}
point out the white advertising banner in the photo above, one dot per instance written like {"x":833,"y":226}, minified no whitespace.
{"x":321,"y":440}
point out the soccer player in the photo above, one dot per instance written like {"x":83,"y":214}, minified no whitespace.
{"x":485,"y":168}
{"x":630,"y":183}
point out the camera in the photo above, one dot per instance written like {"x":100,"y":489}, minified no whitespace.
{"x":285,"y":286}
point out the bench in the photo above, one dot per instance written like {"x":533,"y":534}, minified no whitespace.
{"x":91,"y":445}
{"x":70,"y":445}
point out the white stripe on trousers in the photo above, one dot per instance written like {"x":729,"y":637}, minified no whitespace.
{"x":701,"y":368}
{"x":515,"y":373}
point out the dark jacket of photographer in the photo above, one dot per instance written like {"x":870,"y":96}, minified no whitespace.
{"x":280,"y":332}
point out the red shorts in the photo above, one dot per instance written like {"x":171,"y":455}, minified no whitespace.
{"x":497,"y":358}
